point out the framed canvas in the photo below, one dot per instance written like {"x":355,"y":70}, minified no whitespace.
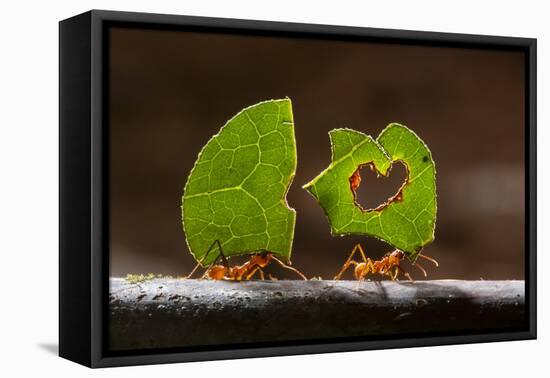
{"x":235,"y":188}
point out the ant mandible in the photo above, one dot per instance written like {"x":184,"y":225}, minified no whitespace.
{"x":246,"y":271}
{"x":389,"y":265}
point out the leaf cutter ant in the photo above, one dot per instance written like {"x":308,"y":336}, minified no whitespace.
{"x":246,"y":271}
{"x":389,"y":265}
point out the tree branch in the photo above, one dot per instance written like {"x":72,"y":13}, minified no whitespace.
{"x":163,"y":313}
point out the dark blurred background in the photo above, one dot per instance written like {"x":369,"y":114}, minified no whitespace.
{"x":171,"y":91}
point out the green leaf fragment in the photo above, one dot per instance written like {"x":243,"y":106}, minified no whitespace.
{"x":407,"y":220}
{"x":236,"y":192}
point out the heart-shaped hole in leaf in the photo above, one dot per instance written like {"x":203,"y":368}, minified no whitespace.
{"x":372,"y":191}
{"x":406,"y":221}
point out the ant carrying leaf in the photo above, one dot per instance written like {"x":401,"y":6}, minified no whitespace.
{"x":246,"y":271}
{"x":389,"y":265}
{"x":235,"y":195}
{"x":406,"y":220}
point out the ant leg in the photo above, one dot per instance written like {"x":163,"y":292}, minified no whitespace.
{"x":393,"y":276}
{"x":370,"y":265}
{"x":363,"y":255}
{"x":432,"y":260}
{"x":251,"y":274}
{"x":421,"y":269}
{"x":405,"y":273}
{"x":368,"y":262}
{"x":201,"y":260}
{"x":256,"y":269}
{"x":289,"y":268}
{"x":224,"y":259}
{"x":193,"y":271}
{"x":349,"y":261}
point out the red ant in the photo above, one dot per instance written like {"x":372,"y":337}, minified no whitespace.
{"x":389,"y":265}
{"x":246,"y":271}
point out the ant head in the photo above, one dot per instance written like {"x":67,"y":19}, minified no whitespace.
{"x":262,"y":259}
{"x":399,"y":254}
{"x":395,"y":253}
{"x":396,"y":256}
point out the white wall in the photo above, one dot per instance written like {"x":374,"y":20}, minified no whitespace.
{"x":28,"y":184}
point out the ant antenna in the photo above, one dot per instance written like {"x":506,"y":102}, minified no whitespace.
{"x":289,"y":268}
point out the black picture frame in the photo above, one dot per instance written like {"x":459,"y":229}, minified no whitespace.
{"x":84,"y":167}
